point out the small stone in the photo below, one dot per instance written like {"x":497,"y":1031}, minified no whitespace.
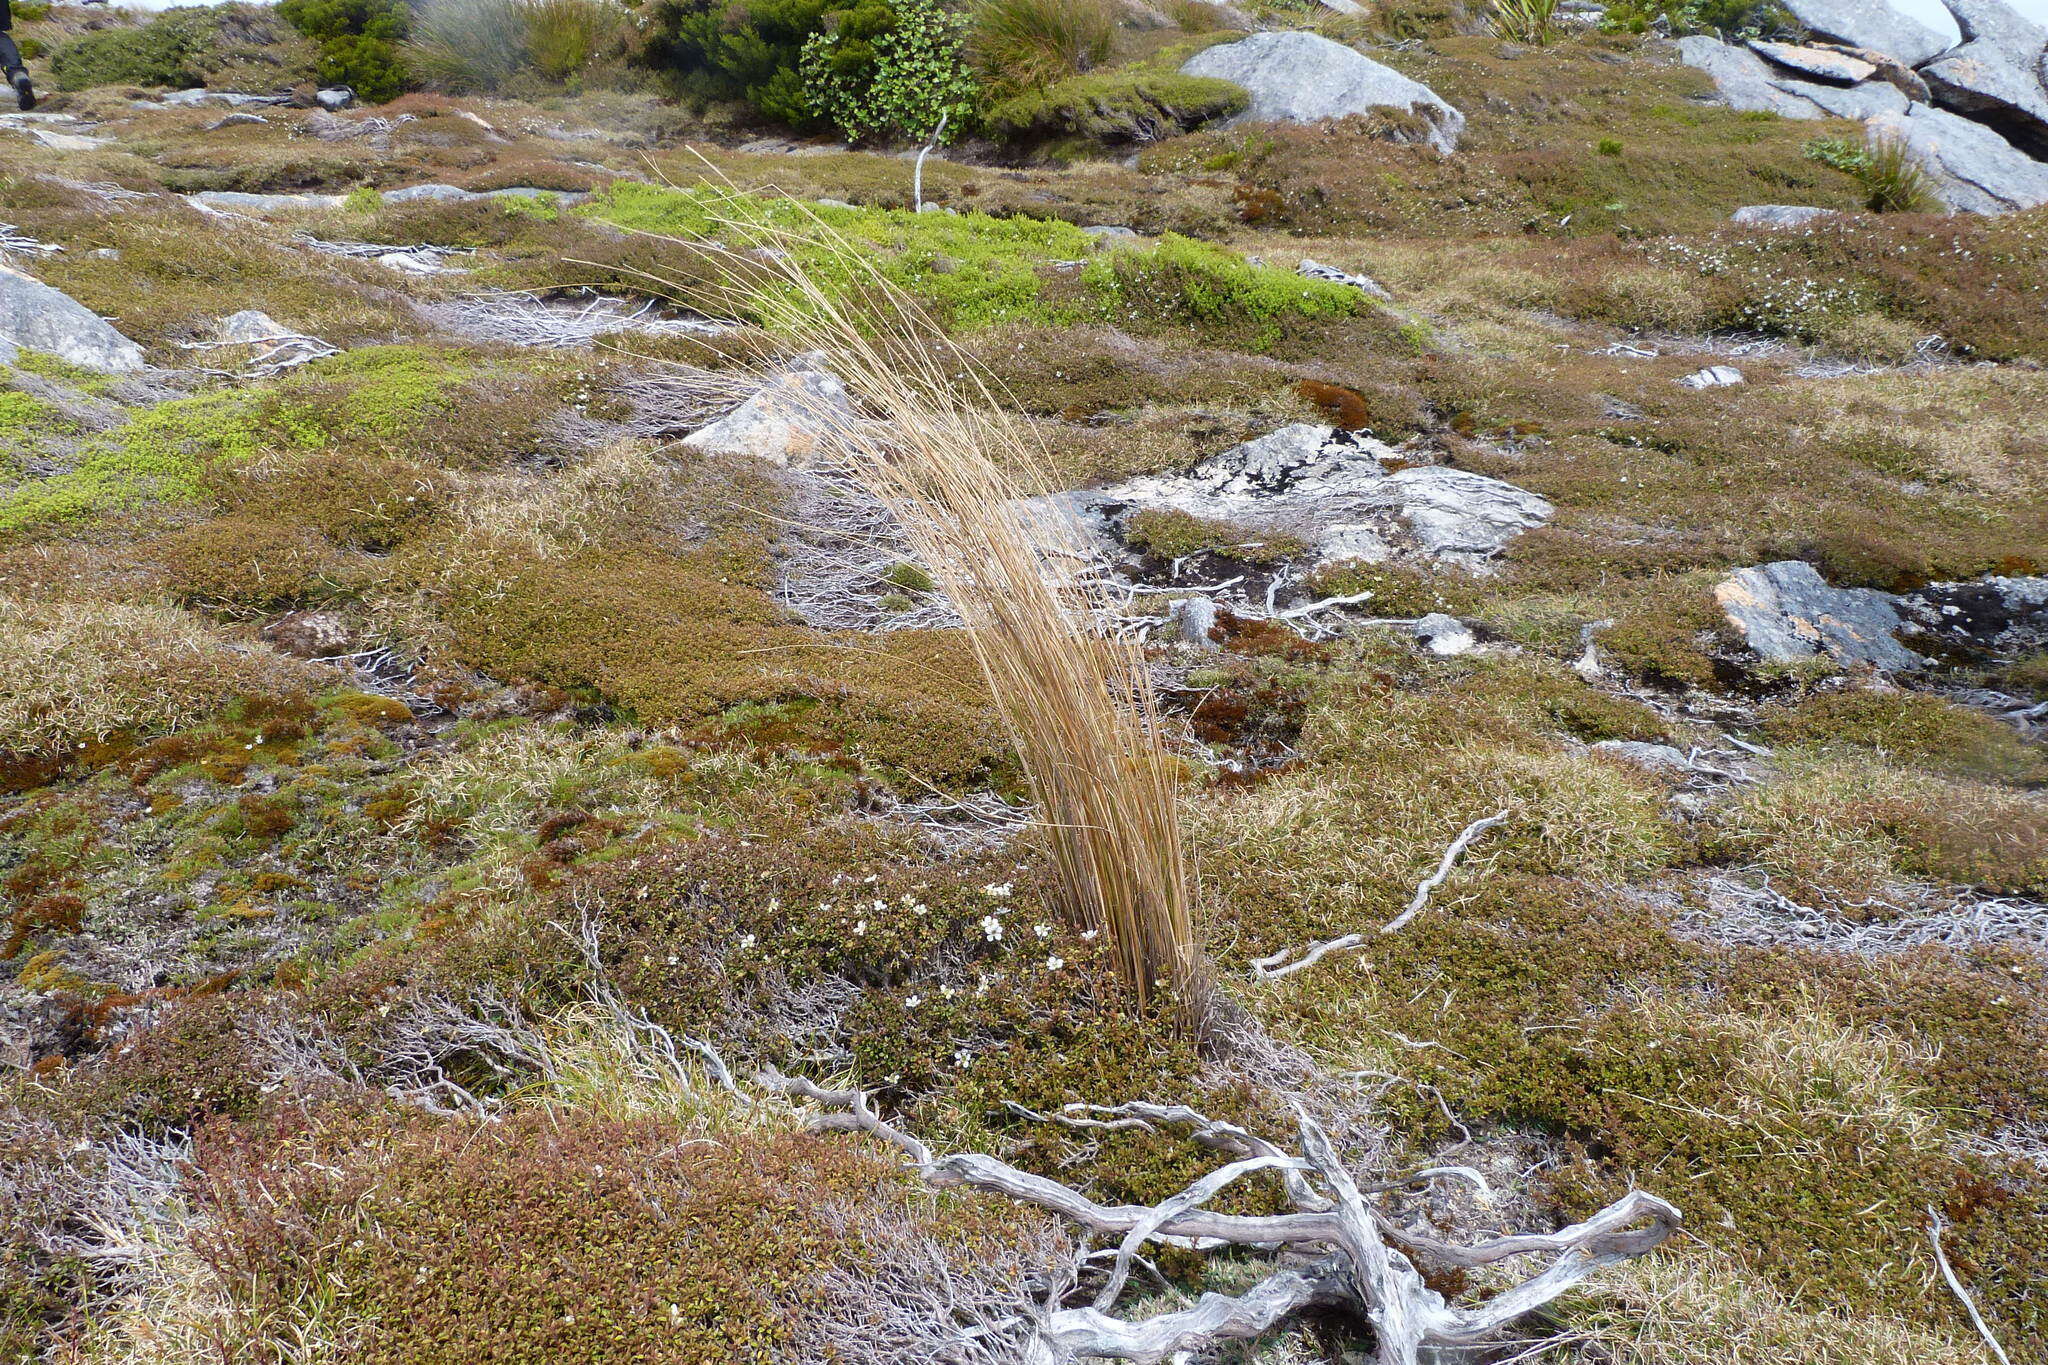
{"x":1192,"y":619}
{"x":310,"y":634}
{"x":1445,"y":635}
{"x":1778,"y":215}
{"x":1653,"y":757}
{"x":334,"y":97}
{"x":785,"y":424}
{"x":1713,"y":377}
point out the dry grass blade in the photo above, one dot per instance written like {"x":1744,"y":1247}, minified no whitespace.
{"x":934,"y":446}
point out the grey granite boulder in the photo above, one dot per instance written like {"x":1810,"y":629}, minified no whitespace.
{"x":1297,"y":77}
{"x":36,"y":317}
{"x":1996,"y":72}
{"x":1743,"y":80}
{"x":1865,"y":101}
{"x":1788,"y":612}
{"x":1872,"y":24}
{"x":789,"y":422}
{"x":1974,"y":169}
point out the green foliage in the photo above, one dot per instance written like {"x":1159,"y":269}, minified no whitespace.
{"x":1022,"y":45}
{"x":358,"y":42}
{"x":1525,"y":21}
{"x":1128,"y":105}
{"x":160,"y":454}
{"x":1888,"y":170}
{"x":892,"y":69}
{"x":1732,"y":19}
{"x":1172,"y":534}
{"x":485,"y":44}
{"x":1215,"y":294}
{"x":735,"y":50}
{"x":170,"y":51}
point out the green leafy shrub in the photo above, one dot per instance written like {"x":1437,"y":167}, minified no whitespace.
{"x":734,"y":50}
{"x":1525,"y":21}
{"x":358,"y":42}
{"x":1117,"y":106}
{"x":167,"y":51}
{"x":891,"y":70}
{"x":1216,"y":294}
{"x":1887,"y":169}
{"x":1021,"y":45}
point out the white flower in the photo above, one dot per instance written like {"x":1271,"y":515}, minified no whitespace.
{"x":746,"y":941}
{"x":1053,"y":964}
{"x":881,"y":907}
{"x":860,"y":928}
{"x":1042,"y":930}
{"x":1089,"y":935}
{"x":913,"y":1002}
{"x":991,"y":928}
{"x":963,"y":1058}
{"x":948,"y":992}
{"x":996,"y":889}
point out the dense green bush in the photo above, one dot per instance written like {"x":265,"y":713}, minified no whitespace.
{"x":735,"y":50}
{"x":882,"y":70}
{"x":167,"y":51}
{"x":1117,"y":106}
{"x":358,"y":42}
{"x":1733,"y":18}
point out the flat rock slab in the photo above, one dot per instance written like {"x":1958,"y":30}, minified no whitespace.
{"x":1870,"y":23}
{"x":1824,"y":63}
{"x":36,"y":317}
{"x":1743,"y":80}
{"x":1343,"y":493}
{"x":1788,"y":612}
{"x":236,"y":201}
{"x":1296,"y":77}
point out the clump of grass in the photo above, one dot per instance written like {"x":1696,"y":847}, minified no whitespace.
{"x":1525,"y":21}
{"x":1079,"y":705}
{"x":73,"y":672}
{"x":1891,"y":175}
{"x":1027,"y":44}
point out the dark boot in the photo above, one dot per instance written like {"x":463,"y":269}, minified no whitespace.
{"x":24,"y":92}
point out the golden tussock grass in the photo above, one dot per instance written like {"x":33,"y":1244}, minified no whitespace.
{"x":933,"y":444}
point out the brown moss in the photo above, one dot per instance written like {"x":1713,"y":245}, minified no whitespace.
{"x":241,"y":563}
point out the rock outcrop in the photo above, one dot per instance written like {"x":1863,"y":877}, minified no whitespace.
{"x":1342,"y":493}
{"x":1974,"y":115}
{"x":1296,"y":77}
{"x":36,"y":317}
{"x":787,"y":423}
{"x":1786,"y":612}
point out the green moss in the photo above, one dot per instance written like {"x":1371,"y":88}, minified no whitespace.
{"x":1175,"y":535}
{"x":163,"y":454}
{"x":1215,"y":295}
{"x":1129,"y":105}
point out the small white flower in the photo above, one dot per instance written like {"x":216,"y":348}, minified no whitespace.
{"x":1042,"y":930}
{"x":860,"y":928}
{"x":913,"y":1002}
{"x":948,"y":992}
{"x":963,"y":1058}
{"x":1089,"y":935}
{"x":1053,"y":964}
{"x":996,"y":889}
{"x":746,"y":941}
{"x":991,"y":928}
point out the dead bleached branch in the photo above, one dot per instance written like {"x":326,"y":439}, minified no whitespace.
{"x":1934,"y":1227}
{"x":1368,"y":1260}
{"x":1277,"y":965}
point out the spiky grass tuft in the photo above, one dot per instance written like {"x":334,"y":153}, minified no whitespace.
{"x":934,"y":444}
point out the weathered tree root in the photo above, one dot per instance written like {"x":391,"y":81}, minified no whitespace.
{"x":1364,"y":1258}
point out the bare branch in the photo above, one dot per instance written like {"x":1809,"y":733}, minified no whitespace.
{"x":1934,"y":1227}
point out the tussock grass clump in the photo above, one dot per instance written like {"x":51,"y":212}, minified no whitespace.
{"x":75,"y":671}
{"x":1026,"y":44}
{"x":1078,"y":704}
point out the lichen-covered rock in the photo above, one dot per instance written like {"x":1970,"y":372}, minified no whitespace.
{"x":1996,"y":72}
{"x":1297,"y":77}
{"x":1788,"y":612}
{"x":1333,"y":490}
{"x":1974,"y":169}
{"x":786,"y":423}
{"x":36,"y":317}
